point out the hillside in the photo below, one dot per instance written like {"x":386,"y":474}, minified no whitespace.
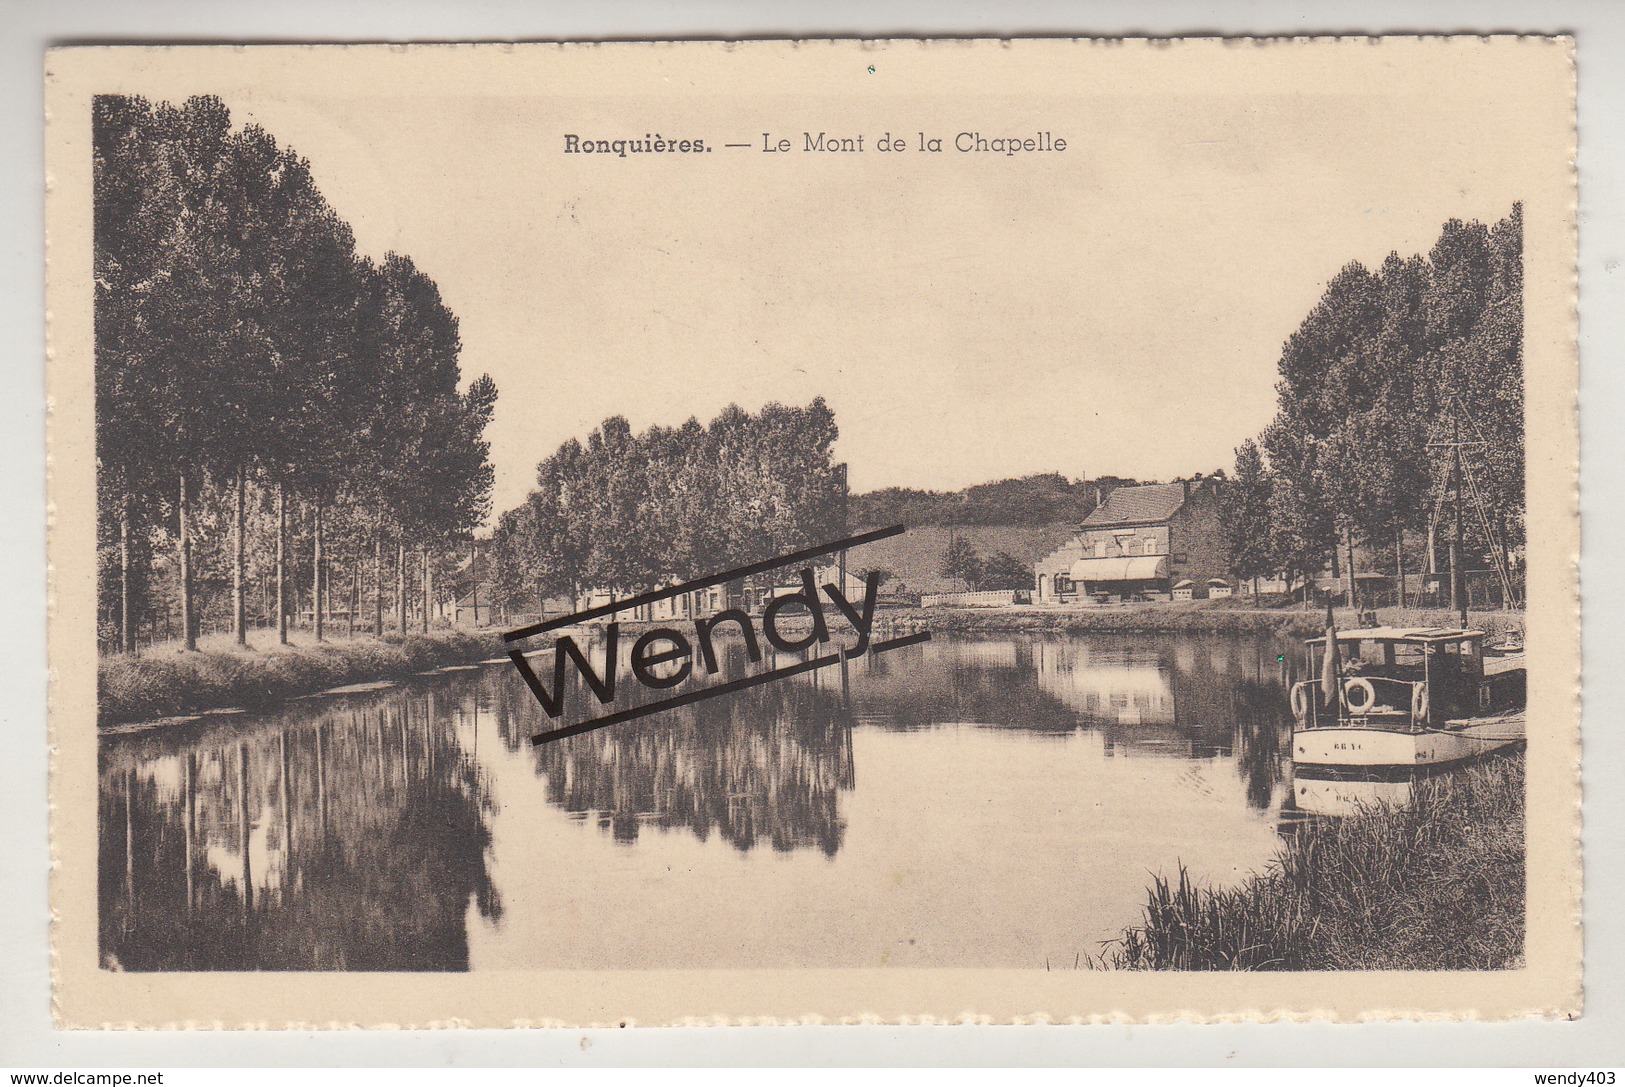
{"x":915,"y":557}
{"x":1044,"y":499}
{"x":1028,"y":517}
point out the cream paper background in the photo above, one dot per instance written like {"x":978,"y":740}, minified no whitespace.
{"x":1517,"y":92}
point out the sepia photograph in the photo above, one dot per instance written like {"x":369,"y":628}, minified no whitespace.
{"x":916,"y":529}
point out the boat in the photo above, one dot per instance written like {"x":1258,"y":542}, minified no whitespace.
{"x":1393,"y":700}
{"x":1389,"y":702}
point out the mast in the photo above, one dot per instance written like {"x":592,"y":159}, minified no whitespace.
{"x":1456,"y":482}
{"x":845,"y":529}
{"x":1458,"y":583}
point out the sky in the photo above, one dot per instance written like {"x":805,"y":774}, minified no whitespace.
{"x":1116,"y":308}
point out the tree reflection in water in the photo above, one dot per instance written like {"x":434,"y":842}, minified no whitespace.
{"x":350,"y":835}
{"x":761,"y":766}
{"x":352,"y":832}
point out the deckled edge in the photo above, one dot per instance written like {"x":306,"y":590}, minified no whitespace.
{"x":1190,"y":1016}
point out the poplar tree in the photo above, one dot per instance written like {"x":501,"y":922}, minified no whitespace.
{"x":129,"y":224}
{"x":165,"y":262}
{"x":1245,"y":513}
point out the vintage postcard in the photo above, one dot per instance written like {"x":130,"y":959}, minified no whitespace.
{"x":824,"y":531}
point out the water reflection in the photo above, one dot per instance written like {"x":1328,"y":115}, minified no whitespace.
{"x":1328,"y":796}
{"x":762,"y":766}
{"x":1162,"y":697}
{"x":356,"y":832}
{"x":340,"y":835}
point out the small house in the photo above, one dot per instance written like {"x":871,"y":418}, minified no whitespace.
{"x":1141,"y":543}
{"x":474,"y":610}
{"x":853,"y":587}
{"x":472,"y":593}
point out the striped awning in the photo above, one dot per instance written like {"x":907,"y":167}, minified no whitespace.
{"x":1128,"y":568}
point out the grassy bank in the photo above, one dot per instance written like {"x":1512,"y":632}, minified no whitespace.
{"x":166,"y":684}
{"x":1207,"y":616}
{"x":1438,"y":885}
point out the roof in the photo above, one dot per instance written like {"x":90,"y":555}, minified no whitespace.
{"x":1148,"y":503}
{"x":1132,"y":568}
{"x":827,"y":575}
{"x":1404,"y":634}
{"x":1342,"y":580}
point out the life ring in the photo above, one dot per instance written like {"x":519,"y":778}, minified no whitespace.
{"x":1359,"y":695}
{"x":1419,"y":702}
{"x":1300,"y":703}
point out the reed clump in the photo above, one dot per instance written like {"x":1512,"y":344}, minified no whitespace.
{"x":140,"y":688}
{"x":1435,"y":885}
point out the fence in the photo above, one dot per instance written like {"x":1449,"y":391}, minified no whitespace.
{"x":990,"y":598}
{"x":1484,"y":590}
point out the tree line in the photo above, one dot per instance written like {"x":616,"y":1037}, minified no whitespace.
{"x":1388,"y":368}
{"x":271,"y":406}
{"x":627,"y":512}
{"x":1041,"y":499}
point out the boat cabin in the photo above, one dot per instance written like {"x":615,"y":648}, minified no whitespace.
{"x":1414,"y":675}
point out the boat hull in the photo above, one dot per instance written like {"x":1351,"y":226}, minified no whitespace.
{"x":1360,"y":747}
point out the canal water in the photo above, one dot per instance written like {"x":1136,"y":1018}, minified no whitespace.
{"x":997,"y":801}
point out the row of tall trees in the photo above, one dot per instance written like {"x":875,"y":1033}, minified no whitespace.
{"x":258,"y":378}
{"x":1390,"y":366}
{"x":628,"y":511}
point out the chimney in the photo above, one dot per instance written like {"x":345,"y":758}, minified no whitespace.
{"x":1185,"y":483}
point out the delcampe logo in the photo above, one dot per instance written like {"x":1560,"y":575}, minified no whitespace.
{"x":834,"y":621}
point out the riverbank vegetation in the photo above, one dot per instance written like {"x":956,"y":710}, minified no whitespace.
{"x":174,"y":683}
{"x":1390,"y":365}
{"x":282,"y":427}
{"x":1437,"y":885}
